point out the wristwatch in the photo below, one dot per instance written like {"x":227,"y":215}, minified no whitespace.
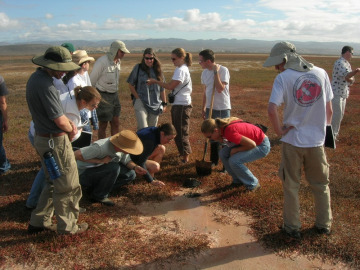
{"x":164,"y":103}
{"x":215,"y":71}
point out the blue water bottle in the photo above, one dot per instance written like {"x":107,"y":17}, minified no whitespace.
{"x":51,"y":165}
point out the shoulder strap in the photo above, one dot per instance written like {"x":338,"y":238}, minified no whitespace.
{"x":180,"y":88}
{"x":233,"y":122}
{"x":262,"y":127}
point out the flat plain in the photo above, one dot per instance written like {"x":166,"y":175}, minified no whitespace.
{"x":122,"y":237}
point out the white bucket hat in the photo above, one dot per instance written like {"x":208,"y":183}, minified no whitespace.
{"x":286,"y":50}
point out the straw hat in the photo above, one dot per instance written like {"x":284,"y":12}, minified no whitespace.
{"x":81,"y":56}
{"x":286,"y":50}
{"x":56,"y":58}
{"x":128,"y":141}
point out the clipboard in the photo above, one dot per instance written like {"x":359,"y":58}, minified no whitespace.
{"x":84,"y":140}
{"x":329,"y":138}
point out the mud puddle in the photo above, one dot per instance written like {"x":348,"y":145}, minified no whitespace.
{"x":232,"y":246}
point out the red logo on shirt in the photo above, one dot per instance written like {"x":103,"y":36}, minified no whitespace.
{"x":307,"y":90}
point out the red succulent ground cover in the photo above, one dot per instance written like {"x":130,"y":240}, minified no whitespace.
{"x":120,"y":237}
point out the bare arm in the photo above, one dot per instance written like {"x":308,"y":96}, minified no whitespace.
{"x":349,"y":77}
{"x":275,"y":121}
{"x":66,"y":125}
{"x":219,"y":85}
{"x":329,"y":112}
{"x":163,"y":99}
{"x":245,"y":145}
{"x":3,"y":109}
{"x":133,"y":91}
{"x":79,"y":156}
{"x":170,"y":86}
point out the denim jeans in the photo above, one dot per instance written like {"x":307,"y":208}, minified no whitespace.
{"x":4,"y":162}
{"x":99,"y":181}
{"x":37,"y":185}
{"x":234,"y":164}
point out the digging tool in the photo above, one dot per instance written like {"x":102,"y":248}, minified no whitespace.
{"x":204,"y":167}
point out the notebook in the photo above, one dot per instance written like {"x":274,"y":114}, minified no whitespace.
{"x":84,"y":140}
{"x":329,"y":138}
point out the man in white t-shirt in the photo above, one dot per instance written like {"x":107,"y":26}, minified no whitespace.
{"x":218,"y":77}
{"x":306,"y":93}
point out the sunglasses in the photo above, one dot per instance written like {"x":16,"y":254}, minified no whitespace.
{"x":173,"y":59}
{"x":149,"y":58}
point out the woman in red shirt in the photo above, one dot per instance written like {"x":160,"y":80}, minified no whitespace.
{"x":244,"y":141}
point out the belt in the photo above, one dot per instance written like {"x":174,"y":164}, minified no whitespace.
{"x":48,"y":135}
{"x":105,"y":92}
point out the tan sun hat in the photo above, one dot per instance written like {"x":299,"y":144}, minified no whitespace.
{"x":128,"y":141}
{"x":56,"y":58}
{"x":81,"y":56}
{"x":118,"y":45}
{"x":286,"y":50}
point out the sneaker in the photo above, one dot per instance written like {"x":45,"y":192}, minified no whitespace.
{"x":34,"y":229}
{"x":325,"y":231}
{"x":82,"y":227}
{"x":255,"y":188}
{"x":106,"y":201}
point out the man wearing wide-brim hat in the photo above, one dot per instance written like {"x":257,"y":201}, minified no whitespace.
{"x":106,"y":164}
{"x":306,"y":93}
{"x":54,"y":132}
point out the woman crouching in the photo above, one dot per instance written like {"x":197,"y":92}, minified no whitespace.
{"x":245,"y":142}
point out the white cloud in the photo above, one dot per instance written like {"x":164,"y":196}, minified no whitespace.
{"x":6,"y":23}
{"x":320,"y":20}
{"x":123,"y":24}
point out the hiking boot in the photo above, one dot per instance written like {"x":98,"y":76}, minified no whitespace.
{"x":295,"y":234}
{"x":325,"y":231}
{"x":34,"y":229}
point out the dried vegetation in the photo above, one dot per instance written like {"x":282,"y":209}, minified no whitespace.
{"x":120,"y":237}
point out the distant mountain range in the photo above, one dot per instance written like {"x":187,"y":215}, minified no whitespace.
{"x":166,"y":45}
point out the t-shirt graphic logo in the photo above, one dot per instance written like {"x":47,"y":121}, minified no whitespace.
{"x":307,"y":90}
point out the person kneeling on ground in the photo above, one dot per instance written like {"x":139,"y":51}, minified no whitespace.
{"x":245,"y":143}
{"x":106,"y":164}
{"x":153,"y":139}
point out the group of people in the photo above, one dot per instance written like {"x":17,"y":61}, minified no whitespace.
{"x":64,"y":99}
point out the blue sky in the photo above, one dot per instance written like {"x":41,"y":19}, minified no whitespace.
{"x":306,"y":20}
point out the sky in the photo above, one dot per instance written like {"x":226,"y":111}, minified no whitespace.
{"x":305,"y":20}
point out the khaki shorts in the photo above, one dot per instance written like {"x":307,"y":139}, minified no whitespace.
{"x":109,"y":106}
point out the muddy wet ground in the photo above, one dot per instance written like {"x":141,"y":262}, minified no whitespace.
{"x":232,"y":246}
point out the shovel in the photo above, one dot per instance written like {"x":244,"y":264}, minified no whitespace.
{"x":204,"y":167}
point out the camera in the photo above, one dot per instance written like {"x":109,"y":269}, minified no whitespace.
{"x":171,"y":97}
